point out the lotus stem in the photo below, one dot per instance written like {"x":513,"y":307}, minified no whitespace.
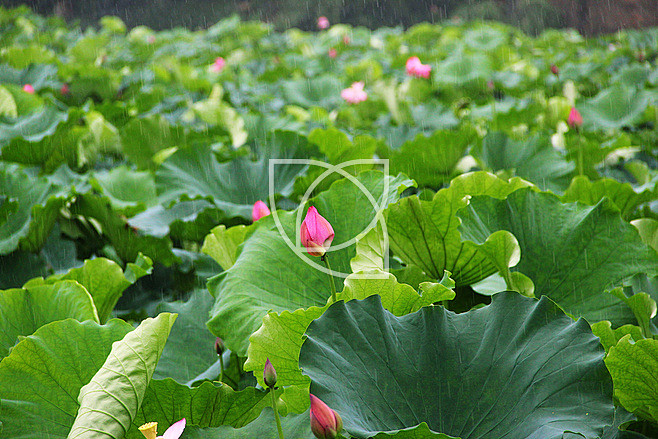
{"x":325,"y":259}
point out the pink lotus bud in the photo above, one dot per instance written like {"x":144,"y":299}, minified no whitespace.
{"x":27,"y":88}
{"x":333,"y":53}
{"x":325,"y":422}
{"x":269,"y":374}
{"x":346,"y":40}
{"x":354,"y":94}
{"x":219,"y":346}
{"x":316,"y":233}
{"x":218,"y":65}
{"x":259,"y":210}
{"x":555,"y":70}
{"x":323,"y":23}
{"x":417,"y":69}
{"x":575,"y":120}
{"x":65,"y":90}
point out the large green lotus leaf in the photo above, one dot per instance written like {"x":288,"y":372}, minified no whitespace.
{"x":571,"y":252}
{"x":142,"y":138}
{"x":431,"y":160}
{"x":32,"y":127}
{"x":24,"y":310}
{"x":281,"y":335}
{"x":208,"y":405}
{"x":190,"y":348}
{"x":129,"y":191}
{"x":42,"y":376}
{"x":533,"y":159}
{"x":633,"y":367}
{"x":104,"y":280}
{"x":294,"y":427}
{"x":7,"y":103}
{"x":33,"y":205}
{"x":518,"y":368}
{"x":462,"y":68}
{"x":323,"y":91}
{"x":222,"y":244}
{"x":110,"y":401}
{"x":648,"y":229}
{"x":614,"y":107}
{"x":255,"y":284}
{"x":484,"y":38}
{"x":425,"y":233}
{"x":214,"y":111}
{"x":186,"y":220}
{"x":236,"y":185}
{"x":127,"y":242}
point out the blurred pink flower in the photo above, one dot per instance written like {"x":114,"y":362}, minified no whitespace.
{"x":355,"y":93}
{"x":575,"y":120}
{"x":417,"y":69}
{"x":323,"y":22}
{"x":27,"y":88}
{"x":218,"y":65}
{"x":346,"y":39}
{"x":333,"y":53}
{"x":259,"y":210}
{"x":65,"y":90}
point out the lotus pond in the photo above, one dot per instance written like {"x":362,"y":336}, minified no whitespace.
{"x":448,"y":231}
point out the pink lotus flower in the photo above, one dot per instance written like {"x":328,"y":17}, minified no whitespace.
{"x":323,"y":23}
{"x":575,"y":120}
{"x":316,"y":233}
{"x":355,"y":93}
{"x":417,"y":69}
{"x":325,"y":422}
{"x":218,"y":65}
{"x":333,"y":53}
{"x":173,"y":432}
{"x":346,"y":40}
{"x":269,"y":374}
{"x":555,"y":70}
{"x":259,"y":210}
{"x":150,"y":39}
{"x":27,"y":88}
{"x":65,"y":90}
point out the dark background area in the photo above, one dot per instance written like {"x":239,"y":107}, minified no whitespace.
{"x":588,"y":16}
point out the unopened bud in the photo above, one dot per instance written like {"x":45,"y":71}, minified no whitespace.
{"x":269,"y":374}
{"x":219,"y":346}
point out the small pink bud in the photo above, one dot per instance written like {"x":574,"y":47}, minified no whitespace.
{"x":218,"y":65}
{"x":490,"y":85}
{"x":555,"y":70}
{"x":333,"y":53}
{"x":269,"y":374}
{"x":219,"y":346}
{"x":259,"y":210}
{"x":323,"y":23}
{"x":354,"y":94}
{"x":346,"y":40}
{"x":150,"y":39}
{"x":316,"y":233}
{"x":175,"y":430}
{"x":27,"y":88}
{"x":575,"y":120}
{"x":325,"y":422}
{"x":417,"y":69}
{"x":65,"y":90}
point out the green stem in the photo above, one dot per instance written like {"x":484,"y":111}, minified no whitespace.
{"x":325,"y":259}
{"x":580,"y":155}
{"x":221,"y":368}
{"x":276,"y":415}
